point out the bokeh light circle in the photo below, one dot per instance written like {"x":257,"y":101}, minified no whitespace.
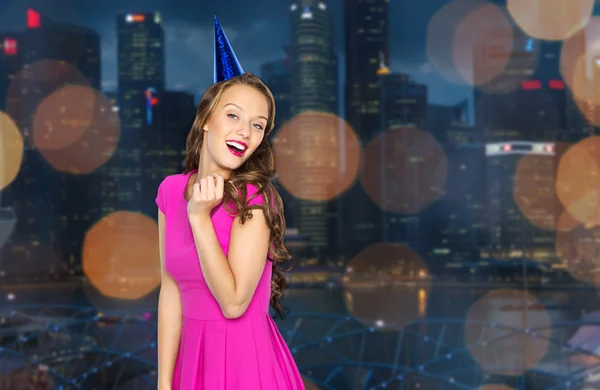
{"x":63,"y":117}
{"x":578,"y":250}
{"x":589,"y":110}
{"x":535,"y":191}
{"x":121,"y":255}
{"x":404,"y":170}
{"x":85,"y":133}
{"x":496,"y":336}
{"x":481,"y":28}
{"x":34,"y":83}
{"x":387,"y":285}
{"x":440,"y":37}
{"x":317,"y":156}
{"x":586,"y":81}
{"x":11,"y":150}
{"x":551,"y":20}
{"x":578,"y":180}
{"x":584,"y":44}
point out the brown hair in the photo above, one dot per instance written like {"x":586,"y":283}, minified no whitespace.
{"x":259,"y":170}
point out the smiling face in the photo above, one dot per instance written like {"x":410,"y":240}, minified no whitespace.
{"x":236,"y":127}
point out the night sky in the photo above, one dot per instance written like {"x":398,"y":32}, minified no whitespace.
{"x":257,"y":30}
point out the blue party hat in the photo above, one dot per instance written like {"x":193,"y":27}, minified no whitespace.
{"x":226,"y":64}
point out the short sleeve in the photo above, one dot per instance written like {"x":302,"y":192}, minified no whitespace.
{"x":161,"y":196}
{"x":253,"y":199}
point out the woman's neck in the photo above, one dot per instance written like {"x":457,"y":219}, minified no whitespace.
{"x":208,"y":167}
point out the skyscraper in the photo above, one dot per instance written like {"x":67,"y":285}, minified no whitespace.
{"x":403,"y":104}
{"x":314,"y":64}
{"x":164,"y":140}
{"x":11,"y":61}
{"x":141,"y":80}
{"x":278,"y":77}
{"x":367,"y":53}
{"x":522,"y":111}
{"x":314,"y":88}
{"x":367,"y":42}
{"x":511,"y":234}
{"x":528,"y":100}
{"x":141,"y":64}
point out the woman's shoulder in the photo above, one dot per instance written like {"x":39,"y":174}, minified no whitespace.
{"x":170,"y":185}
{"x":172,"y":182}
{"x":252,"y":188}
{"x":249,"y":190}
{"x":256,"y":193}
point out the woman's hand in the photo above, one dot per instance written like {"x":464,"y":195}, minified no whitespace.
{"x":206,"y":195}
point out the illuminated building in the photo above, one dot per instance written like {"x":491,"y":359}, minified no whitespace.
{"x":52,"y":215}
{"x":528,"y":100}
{"x":521,"y":112}
{"x":511,"y":234}
{"x":75,"y":45}
{"x":127,"y":180}
{"x":403,"y":103}
{"x":367,"y":41}
{"x":11,"y":61}
{"x":366,"y":44}
{"x":176,"y":115}
{"x":450,"y":124}
{"x":277,"y":75}
{"x":141,"y":64}
{"x":314,"y":88}
{"x":163,"y":144}
{"x":314,"y":64}
{"x":141,"y":75}
{"x":10,"y":64}
{"x":455,"y":225}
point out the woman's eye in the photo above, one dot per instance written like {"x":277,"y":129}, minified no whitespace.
{"x":259,"y":127}
{"x":232,"y":116}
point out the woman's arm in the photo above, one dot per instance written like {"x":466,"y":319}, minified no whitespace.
{"x":169,"y":317}
{"x":233,"y":279}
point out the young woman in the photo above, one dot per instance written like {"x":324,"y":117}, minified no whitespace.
{"x":221,"y":230}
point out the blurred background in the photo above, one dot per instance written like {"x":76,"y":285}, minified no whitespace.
{"x":439,"y":163}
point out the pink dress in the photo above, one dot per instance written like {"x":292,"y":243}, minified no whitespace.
{"x":216,"y":353}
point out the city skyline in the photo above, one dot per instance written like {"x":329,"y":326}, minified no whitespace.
{"x":189,"y":37}
{"x":393,"y":99}
{"x":429,"y":251}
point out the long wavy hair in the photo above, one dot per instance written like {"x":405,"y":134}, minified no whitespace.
{"x":259,"y":170}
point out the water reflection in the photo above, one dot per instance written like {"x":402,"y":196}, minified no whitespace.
{"x":387,"y":307}
{"x":386,"y":286}
{"x":327,"y":342}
